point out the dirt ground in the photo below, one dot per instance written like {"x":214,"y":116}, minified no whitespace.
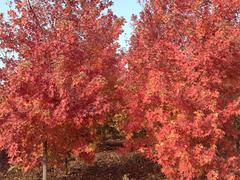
{"x":107,"y":165}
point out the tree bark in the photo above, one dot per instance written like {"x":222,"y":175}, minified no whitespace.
{"x":45,"y":160}
{"x":66,"y":166}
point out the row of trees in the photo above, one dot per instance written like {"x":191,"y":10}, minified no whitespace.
{"x":177,"y":101}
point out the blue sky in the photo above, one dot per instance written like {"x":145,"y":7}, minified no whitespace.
{"x":124,"y":8}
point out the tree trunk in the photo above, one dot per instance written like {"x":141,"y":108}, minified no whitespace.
{"x":45,"y":160}
{"x":66,"y":166}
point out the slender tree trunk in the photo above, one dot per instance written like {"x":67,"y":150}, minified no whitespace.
{"x":66,"y":166}
{"x":45,"y":160}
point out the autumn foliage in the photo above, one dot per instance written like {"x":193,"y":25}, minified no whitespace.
{"x":64,"y":75}
{"x":184,"y":87}
{"x":180,"y":88}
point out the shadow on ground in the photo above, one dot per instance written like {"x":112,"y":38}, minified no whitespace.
{"x":107,"y":165}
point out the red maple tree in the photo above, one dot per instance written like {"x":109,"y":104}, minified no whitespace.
{"x":57,"y":89}
{"x":183,"y":84}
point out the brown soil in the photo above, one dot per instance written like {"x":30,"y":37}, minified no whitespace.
{"x":107,"y":165}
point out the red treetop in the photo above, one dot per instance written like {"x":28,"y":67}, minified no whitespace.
{"x":184,"y":87}
{"x":66,"y":67}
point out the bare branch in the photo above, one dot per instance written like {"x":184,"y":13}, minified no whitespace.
{"x":35,"y":16}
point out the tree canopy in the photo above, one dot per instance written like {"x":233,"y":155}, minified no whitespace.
{"x":177,"y":100}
